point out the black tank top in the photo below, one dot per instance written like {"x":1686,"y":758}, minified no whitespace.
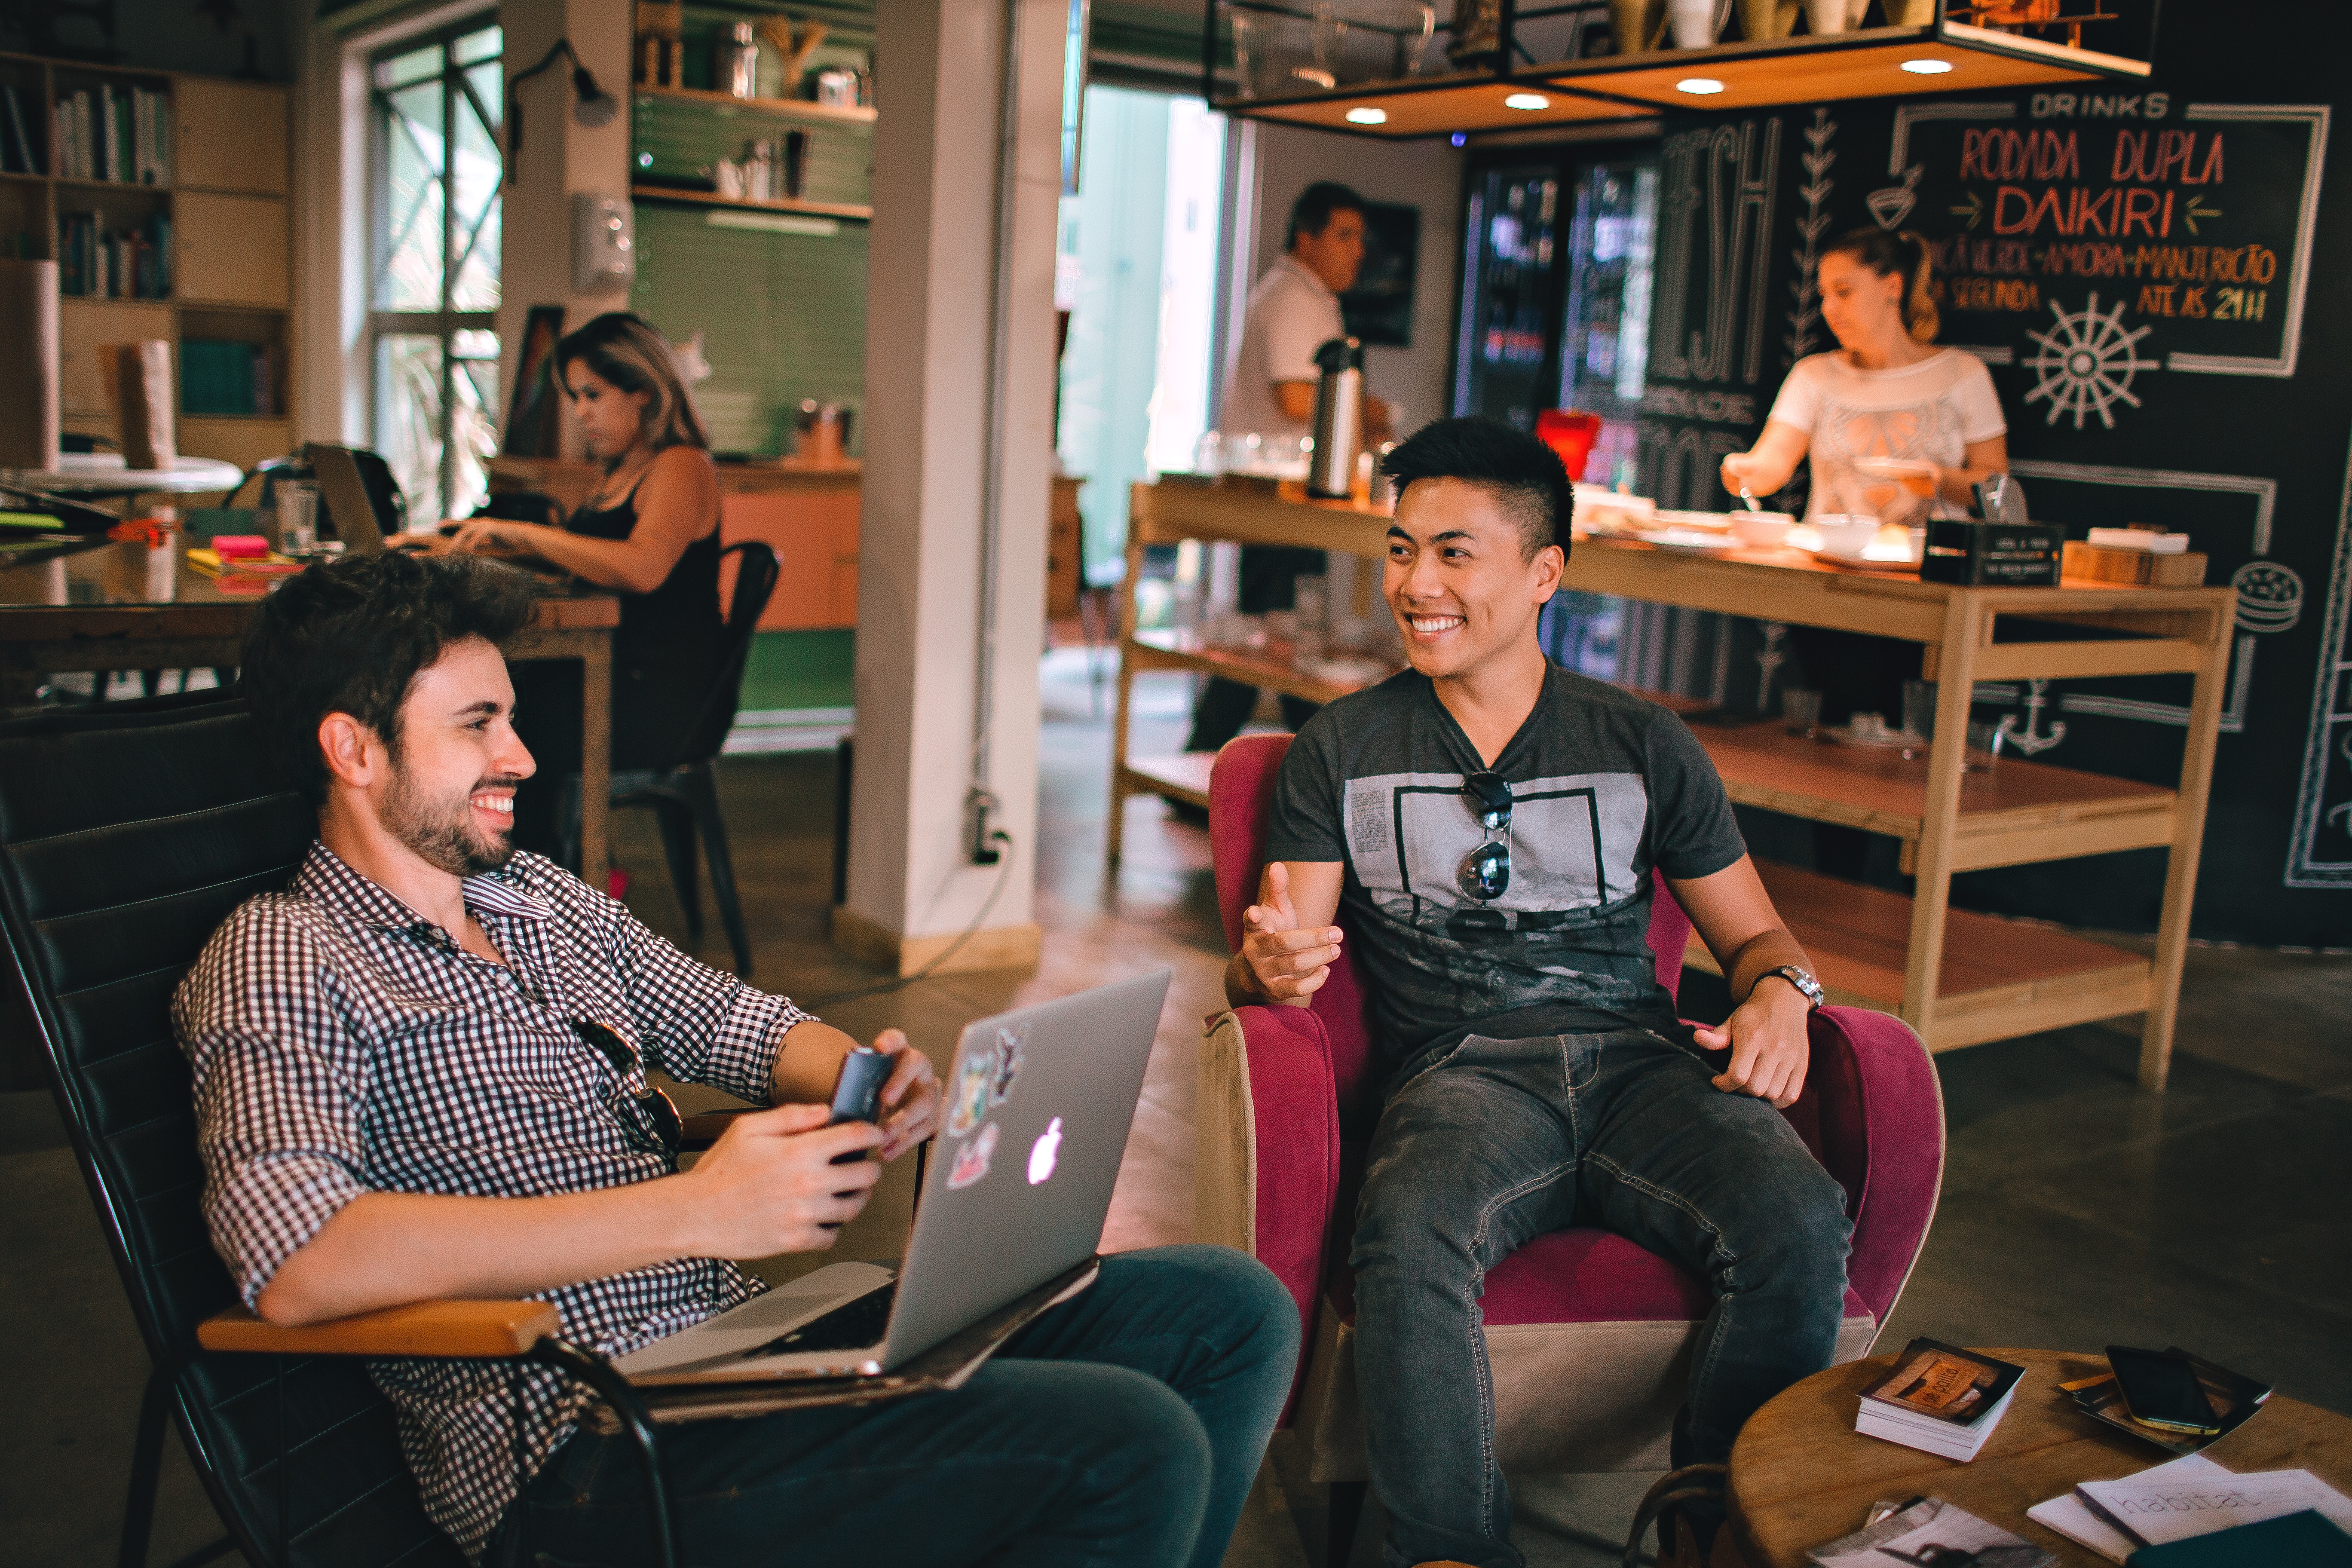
{"x":669,"y":647}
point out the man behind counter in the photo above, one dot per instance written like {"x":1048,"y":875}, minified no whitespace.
{"x":1293,"y":312}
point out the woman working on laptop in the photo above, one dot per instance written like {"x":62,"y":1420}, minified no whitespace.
{"x":649,"y":528}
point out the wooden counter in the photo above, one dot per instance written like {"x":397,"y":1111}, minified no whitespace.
{"x":1959,"y":979}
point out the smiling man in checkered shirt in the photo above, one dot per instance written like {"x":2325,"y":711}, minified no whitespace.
{"x":420,"y":1073}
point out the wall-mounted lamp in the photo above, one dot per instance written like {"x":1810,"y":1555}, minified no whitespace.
{"x":592,"y":105}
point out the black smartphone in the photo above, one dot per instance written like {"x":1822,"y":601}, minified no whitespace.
{"x":2162,"y":1391}
{"x":857,"y":1092}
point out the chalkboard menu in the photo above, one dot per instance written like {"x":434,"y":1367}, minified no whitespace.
{"x":2136,"y":267}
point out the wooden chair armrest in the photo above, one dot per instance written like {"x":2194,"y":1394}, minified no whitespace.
{"x":489,"y":1329}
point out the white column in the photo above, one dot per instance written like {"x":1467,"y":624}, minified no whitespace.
{"x":930,"y":297}
{"x":560,"y":156}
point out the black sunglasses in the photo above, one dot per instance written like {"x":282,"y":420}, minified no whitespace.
{"x":1485,"y":871}
{"x":651,"y":1122}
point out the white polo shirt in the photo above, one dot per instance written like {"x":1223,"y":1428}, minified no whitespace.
{"x":1291,"y":314}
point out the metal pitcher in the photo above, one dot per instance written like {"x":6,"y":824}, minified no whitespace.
{"x":1339,"y":419}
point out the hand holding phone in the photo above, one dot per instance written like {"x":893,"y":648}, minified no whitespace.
{"x":857,"y":1092}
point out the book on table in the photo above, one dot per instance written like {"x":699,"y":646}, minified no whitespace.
{"x":2159,"y":1510}
{"x":1939,"y":1399}
{"x":2308,"y":1540}
{"x":2233,"y":1396}
{"x":1930,"y":1530}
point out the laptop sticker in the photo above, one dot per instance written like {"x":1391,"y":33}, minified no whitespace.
{"x":970,"y":1105}
{"x":1045,"y":1152}
{"x":1010,"y":1060}
{"x":971,"y":1160}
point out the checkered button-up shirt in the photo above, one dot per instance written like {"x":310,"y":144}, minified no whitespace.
{"x":342,"y":1044}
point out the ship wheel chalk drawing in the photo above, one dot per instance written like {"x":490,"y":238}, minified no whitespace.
{"x":2086,"y":363}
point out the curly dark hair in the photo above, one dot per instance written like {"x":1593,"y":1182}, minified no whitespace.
{"x":1521,"y":472}
{"x":350,"y":637}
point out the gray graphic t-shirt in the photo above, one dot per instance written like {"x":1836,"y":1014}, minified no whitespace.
{"x":1604,"y":786}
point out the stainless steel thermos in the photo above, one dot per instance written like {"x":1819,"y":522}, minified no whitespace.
{"x":1339,"y":418}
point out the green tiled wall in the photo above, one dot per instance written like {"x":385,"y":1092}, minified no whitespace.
{"x":801,"y":669}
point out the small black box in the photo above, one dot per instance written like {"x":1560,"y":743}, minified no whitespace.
{"x":1993,"y":554}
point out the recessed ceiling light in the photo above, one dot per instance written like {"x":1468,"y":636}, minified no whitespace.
{"x":1700,"y":85}
{"x":1368,"y":117}
{"x":1926,"y":68}
{"x":1527,"y":100}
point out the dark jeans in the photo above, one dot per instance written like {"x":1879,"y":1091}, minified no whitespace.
{"x":1124,"y":1426}
{"x":1501,"y":1140}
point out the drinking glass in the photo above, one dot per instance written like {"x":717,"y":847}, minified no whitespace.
{"x":1919,"y":707}
{"x":1800,"y":709}
{"x":298,"y":517}
{"x":1311,"y":612}
{"x":1983,"y":749}
{"x":1209,"y":454}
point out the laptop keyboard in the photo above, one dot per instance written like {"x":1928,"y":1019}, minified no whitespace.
{"x":852,"y":1325}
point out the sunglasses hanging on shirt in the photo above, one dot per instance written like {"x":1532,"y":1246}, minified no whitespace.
{"x":1485,"y":872}
{"x":651,"y":1122}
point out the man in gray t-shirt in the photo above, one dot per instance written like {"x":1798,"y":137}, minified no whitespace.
{"x":1491,"y":826}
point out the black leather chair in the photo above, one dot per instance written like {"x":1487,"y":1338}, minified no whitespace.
{"x":127,"y":833}
{"x":683,"y":794}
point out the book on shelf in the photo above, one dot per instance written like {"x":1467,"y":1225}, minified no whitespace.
{"x":1939,"y":1398}
{"x":227,"y":377}
{"x":121,"y":135}
{"x":96,"y":263}
{"x":16,"y":143}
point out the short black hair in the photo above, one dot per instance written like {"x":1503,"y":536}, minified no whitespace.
{"x":350,"y":637}
{"x":1523,"y":474}
{"x":1312,"y":212}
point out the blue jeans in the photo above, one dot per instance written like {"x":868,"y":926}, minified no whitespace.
{"x":1124,"y":1426}
{"x":1498,"y":1142}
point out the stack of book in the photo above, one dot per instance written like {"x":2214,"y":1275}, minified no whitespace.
{"x":2290,"y":1516}
{"x":1940,"y":1399}
{"x":225,"y":376}
{"x":97,"y":263}
{"x":122,"y":135}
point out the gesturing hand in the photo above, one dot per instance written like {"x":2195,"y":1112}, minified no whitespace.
{"x":1284,"y":963}
{"x":912,"y":1095}
{"x":769,"y":1185}
{"x":1769,"y":1050}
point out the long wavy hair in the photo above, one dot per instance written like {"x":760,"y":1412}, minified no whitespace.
{"x":624,"y":351}
{"x":1903,"y":253}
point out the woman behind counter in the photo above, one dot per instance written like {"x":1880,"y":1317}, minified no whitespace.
{"x":649,"y":528}
{"x":1887,"y":391}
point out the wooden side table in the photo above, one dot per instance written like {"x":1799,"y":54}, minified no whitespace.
{"x":1801,"y":1474}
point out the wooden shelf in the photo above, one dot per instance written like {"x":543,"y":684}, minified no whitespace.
{"x":2000,"y":978}
{"x":849,"y":212}
{"x":781,"y":107}
{"x":1184,"y":775}
{"x":116,"y":300}
{"x":2017,"y":813}
{"x":62,"y":182}
{"x":1271,"y":667}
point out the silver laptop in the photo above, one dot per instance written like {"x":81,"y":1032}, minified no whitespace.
{"x":348,"y":503}
{"x":1037,"y":1110}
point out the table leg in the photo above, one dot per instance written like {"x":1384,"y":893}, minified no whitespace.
{"x":2180,"y":866}
{"x":1963,"y":624}
{"x":1126,"y":686}
{"x":595,"y":759}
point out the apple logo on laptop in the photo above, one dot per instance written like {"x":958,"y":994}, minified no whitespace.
{"x":1045,"y":1152}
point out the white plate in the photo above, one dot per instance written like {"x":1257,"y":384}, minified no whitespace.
{"x":1863,"y":562}
{"x":1687,"y":541}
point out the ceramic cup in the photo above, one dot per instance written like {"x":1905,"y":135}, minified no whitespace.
{"x":1845,"y":534}
{"x":1761,"y":530}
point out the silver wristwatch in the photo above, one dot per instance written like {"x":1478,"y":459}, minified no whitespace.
{"x":1795,"y":977}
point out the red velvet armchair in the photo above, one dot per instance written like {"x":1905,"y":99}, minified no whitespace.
{"x":1588,"y":1336}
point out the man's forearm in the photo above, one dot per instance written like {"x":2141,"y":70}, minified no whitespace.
{"x":1759,"y":956}
{"x":383,"y":1250}
{"x":808,"y":1063}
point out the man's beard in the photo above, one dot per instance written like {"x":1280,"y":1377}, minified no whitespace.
{"x":443,"y":832}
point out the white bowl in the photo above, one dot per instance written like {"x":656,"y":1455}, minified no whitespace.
{"x":1761,"y":530}
{"x":1844,"y":533}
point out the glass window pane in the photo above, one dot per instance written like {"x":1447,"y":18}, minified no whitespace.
{"x":488,"y":82}
{"x":410,"y":273}
{"x":482,"y":46}
{"x":474,"y":173}
{"x":472,"y":430}
{"x":472,"y":342}
{"x":416,"y":64}
{"x":408,"y":418}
